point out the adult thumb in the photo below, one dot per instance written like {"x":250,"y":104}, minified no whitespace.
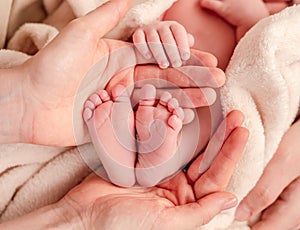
{"x":105,"y":17}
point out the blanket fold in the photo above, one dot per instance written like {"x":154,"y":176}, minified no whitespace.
{"x":263,"y":82}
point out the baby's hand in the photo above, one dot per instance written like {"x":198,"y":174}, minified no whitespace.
{"x":166,"y":41}
{"x":238,"y":12}
{"x":241,"y":13}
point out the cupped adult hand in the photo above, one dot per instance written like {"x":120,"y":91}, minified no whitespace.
{"x":178,"y":203}
{"x":277,"y":193}
{"x":53,"y":79}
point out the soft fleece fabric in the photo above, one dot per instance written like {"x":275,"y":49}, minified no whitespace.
{"x":263,"y":81}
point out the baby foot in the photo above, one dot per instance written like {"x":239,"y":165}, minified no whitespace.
{"x":110,"y":122}
{"x":158,"y":128}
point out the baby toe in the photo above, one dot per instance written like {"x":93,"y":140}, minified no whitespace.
{"x":89,"y":104}
{"x":87,"y":114}
{"x":189,"y":116}
{"x":95,"y":99}
{"x":147,"y":95}
{"x":172,"y":104}
{"x":179,"y":113}
{"x":104,"y":95}
{"x":175,"y":123}
{"x":165,"y":98}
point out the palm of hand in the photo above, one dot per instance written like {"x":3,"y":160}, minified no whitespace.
{"x":55,"y":76}
{"x":153,"y":207}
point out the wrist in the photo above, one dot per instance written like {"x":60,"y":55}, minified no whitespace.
{"x":11,"y":106}
{"x":67,"y":217}
{"x":50,"y":217}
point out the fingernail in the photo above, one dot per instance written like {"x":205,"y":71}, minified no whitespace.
{"x":242,"y":213}
{"x":232,"y":202}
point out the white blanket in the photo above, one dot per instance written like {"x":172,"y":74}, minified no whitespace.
{"x":263,"y":81}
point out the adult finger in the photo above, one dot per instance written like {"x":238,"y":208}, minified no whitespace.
{"x":284,"y":213}
{"x":193,"y":215}
{"x":140,"y":43}
{"x":101,"y":20}
{"x":197,"y":58}
{"x":202,"y":58}
{"x":170,"y":46}
{"x":181,"y":41}
{"x":185,"y":76}
{"x":217,"y":177}
{"x":156,"y":47}
{"x":233,"y":120}
{"x":284,"y":167}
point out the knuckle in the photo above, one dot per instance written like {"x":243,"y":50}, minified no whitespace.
{"x":212,"y":181}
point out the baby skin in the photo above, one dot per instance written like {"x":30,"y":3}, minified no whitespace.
{"x":147,"y":159}
{"x":168,"y":42}
{"x":217,"y":25}
{"x":113,"y":125}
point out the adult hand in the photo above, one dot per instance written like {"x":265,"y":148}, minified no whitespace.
{"x":277,"y":191}
{"x":212,"y":171}
{"x":53,"y":91}
{"x":183,"y":202}
{"x":179,"y":203}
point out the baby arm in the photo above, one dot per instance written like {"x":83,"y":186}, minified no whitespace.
{"x":241,"y":13}
{"x":166,"y":41}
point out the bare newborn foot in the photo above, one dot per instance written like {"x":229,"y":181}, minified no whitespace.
{"x":110,"y":122}
{"x":158,"y":127}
